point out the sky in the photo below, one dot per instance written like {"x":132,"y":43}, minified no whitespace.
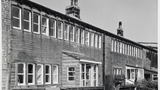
{"x":139,"y":17}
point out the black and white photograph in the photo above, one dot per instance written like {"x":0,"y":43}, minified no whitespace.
{"x":79,"y":44}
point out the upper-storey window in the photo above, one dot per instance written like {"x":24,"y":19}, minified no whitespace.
{"x":60,"y":30}
{"x":77,"y":33}
{"x":82,"y":36}
{"x":36,"y":23}
{"x":100,"y":41}
{"x":96,"y":41}
{"x":92,"y":39}
{"x":71,"y":33}
{"x":45,"y":29}
{"x":66,"y":32}
{"x":27,"y":20}
{"x":52,"y":28}
{"x":87,"y":38}
{"x":16,"y":13}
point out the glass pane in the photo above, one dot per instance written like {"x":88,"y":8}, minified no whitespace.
{"x":83,"y":75}
{"x":35,"y":18}
{"x":128,"y":73}
{"x":20,"y":79}
{"x":30,"y":68}
{"x":55,"y":70}
{"x":47,"y":69}
{"x":71,"y":78}
{"x":44,"y":29}
{"x":20,"y":68}
{"x":15,"y":11}
{"x":39,"y":74}
{"x":35,"y":27}
{"x":71,"y":73}
{"x":55,"y":78}
{"x":26,"y":25}
{"x":71,"y":69}
{"x":30,"y":78}
{"x":16,"y":22}
{"x":44,"y":21}
{"x":47,"y":78}
{"x":26,"y":15}
{"x":83,"y":67}
{"x":71,"y":33}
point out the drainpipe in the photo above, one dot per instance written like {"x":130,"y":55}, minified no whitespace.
{"x":103,"y":62}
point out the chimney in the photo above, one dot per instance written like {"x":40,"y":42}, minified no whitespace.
{"x":120,"y":30}
{"x":73,"y":10}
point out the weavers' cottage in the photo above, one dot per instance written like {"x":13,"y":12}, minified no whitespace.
{"x":44,"y":49}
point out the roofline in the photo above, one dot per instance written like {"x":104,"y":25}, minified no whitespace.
{"x":33,"y":4}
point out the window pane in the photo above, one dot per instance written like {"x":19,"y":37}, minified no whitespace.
{"x":59,"y":30}
{"x":77,"y":35}
{"x":35,"y":18}
{"x":82,"y":36}
{"x":30,"y":78}
{"x":71,"y":73}
{"x":16,"y":22}
{"x":52,"y":29}
{"x":44,"y":29}
{"x":26,"y":15}
{"x":35,"y":27}
{"x":71,"y":69}
{"x":20,"y":79}
{"x":66,"y":32}
{"x":71,"y":33}
{"x":44,"y":21}
{"x":20,"y":68}
{"x":47,"y":78}
{"x":100,"y":41}
{"x":47,"y":69}
{"x":128,"y":73}
{"x":26,"y":25}
{"x":71,"y":78}
{"x":86,"y":37}
{"x":92,"y":39}
{"x":39,"y":74}
{"x":15,"y":11}
{"x":96,"y":40}
{"x":30,"y":68}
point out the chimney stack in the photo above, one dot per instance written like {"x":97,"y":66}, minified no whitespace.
{"x":73,"y":10}
{"x":120,"y":30}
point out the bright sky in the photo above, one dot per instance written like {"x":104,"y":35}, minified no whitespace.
{"x":139,"y":17}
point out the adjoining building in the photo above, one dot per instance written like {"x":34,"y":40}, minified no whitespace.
{"x":44,"y":49}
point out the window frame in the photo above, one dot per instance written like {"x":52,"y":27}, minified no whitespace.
{"x":46,"y":26}
{"x":72,"y":72}
{"x":87,"y":39}
{"x":66,"y":32}
{"x":57,"y":69}
{"x":19,"y":18}
{"x":77,"y":34}
{"x":53,"y":28}
{"x":60,"y":30}
{"x":24,"y":74}
{"x":29,"y":21}
{"x":49,"y":74}
{"x":39,"y":21}
{"x":82,"y":35}
{"x":73,"y":28}
{"x":92,"y":39}
{"x":33,"y":74}
{"x":42,"y":78}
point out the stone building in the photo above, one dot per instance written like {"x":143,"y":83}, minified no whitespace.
{"x":44,"y":49}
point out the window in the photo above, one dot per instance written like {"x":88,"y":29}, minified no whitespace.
{"x":71,"y":73}
{"x":92,"y":39}
{"x":52,"y":28}
{"x":48,"y":74}
{"x":31,"y":73}
{"x":77,"y":32}
{"x":39,"y":74}
{"x":21,"y":74}
{"x":89,"y":75}
{"x":117,"y":71}
{"x":96,"y":41}
{"x":66,"y":32}
{"x":115,"y":46}
{"x":130,"y":73}
{"x":87,"y":38}
{"x":60,"y":30}
{"x":120,"y":47}
{"x":112,"y":45}
{"x":36,"y":23}
{"x":82,"y":36}
{"x":55,"y":74}
{"x":45,"y":29}
{"x":154,"y":77}
{"x":100,"y":41}
{"x":16,"y":14}
{"x":71,"y":33}
{"x":27,"y":20}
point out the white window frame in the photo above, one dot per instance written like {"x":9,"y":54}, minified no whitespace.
{"x":19,"y":18}
{"x":42,"y":73}
{"x":82,"y":36}
{"x":36,"y":23}
{"x":96,"y":41}
{"x":60,"y":30}
{"x":100,"y":41}
{"x":33,"y":74}
{"x":29,"y":21}
{"x":49,"y":74}
{"x":77,"y":35}
{"x":71,"y":71}
{"x":66,"y":31}
{"x":24,"y":74}
{"x":53,"y":28}
{"x":45,"y":26}
{"x":53,"y":74}
{"x":92,"y":39}
{"x":72,"y":40}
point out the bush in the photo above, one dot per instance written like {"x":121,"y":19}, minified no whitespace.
{"x":147,"y":85}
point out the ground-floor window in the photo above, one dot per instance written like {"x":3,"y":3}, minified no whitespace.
{"x":29,"y":73}
{"x":89,"y":75}
{"x":154,"y":77}
{"x":130,"y":73}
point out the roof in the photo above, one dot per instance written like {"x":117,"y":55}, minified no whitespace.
{"x":50,"y":11}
